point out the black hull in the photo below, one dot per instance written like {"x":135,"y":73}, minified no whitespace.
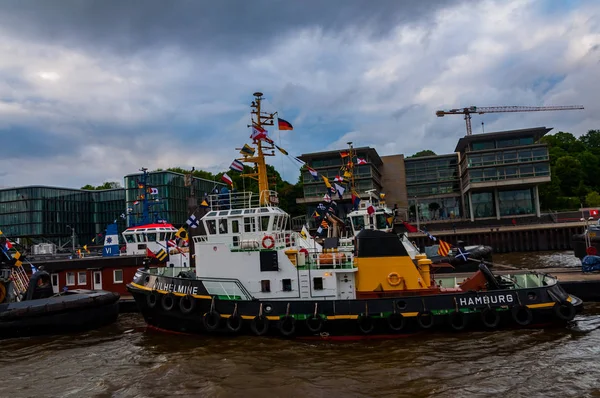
{"x":77,"y":311}
{"x":343,"y":319}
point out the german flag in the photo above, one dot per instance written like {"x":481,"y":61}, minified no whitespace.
{"x":162,"y":255}
{"x":444,"y":248}
{"x":284,"y":124}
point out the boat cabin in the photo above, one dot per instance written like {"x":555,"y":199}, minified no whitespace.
{"x":156,"y":237}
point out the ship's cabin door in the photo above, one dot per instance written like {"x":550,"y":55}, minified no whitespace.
{"x":97,"y":285}
{"x":54,"y":279}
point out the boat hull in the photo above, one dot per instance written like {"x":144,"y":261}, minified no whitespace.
{"x":365,"y":318}
{"x":76,"y":311}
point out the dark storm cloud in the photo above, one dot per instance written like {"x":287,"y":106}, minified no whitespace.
{"x":130,"y":26}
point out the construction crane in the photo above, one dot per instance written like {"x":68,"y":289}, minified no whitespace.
{"x":498,"y":109}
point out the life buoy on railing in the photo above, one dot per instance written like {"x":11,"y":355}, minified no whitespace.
{"x":394,"y":279}
{"x":268,"y":242}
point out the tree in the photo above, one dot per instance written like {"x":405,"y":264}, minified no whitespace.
{"x":591,"y":140}
{"x":568,"y":169}
{"x":106,"y":185}
{"x":426,"y":152}
{"x":592,"y":199}
{"x":590,"y":168}
{"x":550,"y":193}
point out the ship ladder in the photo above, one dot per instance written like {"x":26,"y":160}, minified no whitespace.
{"x":21,"y":281}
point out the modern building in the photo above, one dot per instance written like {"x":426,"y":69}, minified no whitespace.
{"x":57,"y":214}
{"x":500,"y":173}
{"x":175,"y":195}
{"x":366,"y":177}
{"x":490,"y":175}
{"x":38,"y":214}
{"x":433,"y":187}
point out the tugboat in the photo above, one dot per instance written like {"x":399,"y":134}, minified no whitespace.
{"x":28,"y":306}
{"x":253,"y":275}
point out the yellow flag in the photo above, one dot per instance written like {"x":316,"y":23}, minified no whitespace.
{"x":347,"y":174}
{"x":0,"y":232}
{"x":17,"y":257}
{"x":85,"y":248}
{"x":182,"y":233}
{"x":327,"y":184}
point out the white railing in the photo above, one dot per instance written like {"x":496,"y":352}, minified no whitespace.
{"x":241,"y":200}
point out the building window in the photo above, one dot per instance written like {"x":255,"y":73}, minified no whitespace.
{"x":70,"y":279}
{"x":118,"y":276}
{"x":483,"y":204}
{"x":265,"y":286}
{"x":318,"y":283}
{"x":81,"y":278}
{"x":287,"y":285}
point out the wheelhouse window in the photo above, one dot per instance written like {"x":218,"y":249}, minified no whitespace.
{"x":264,"y":223}
{"x":249,"y":225}
{"x":118,"y":276}
{"x":318,"y":283}
{"x":70,"y":278}
{"x":151,"y":237}
{"x":223,"y":226}
{"x":286,"y":285}
{"x":129,"y":238}
{"x":81,"y":278}
{"x":211,"y":226}
{"x":265,"y":286}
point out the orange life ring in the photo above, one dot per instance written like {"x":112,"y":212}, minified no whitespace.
{"x":271,"y":243}
{"x":394,"y":279}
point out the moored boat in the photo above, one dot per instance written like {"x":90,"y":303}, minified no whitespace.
{"x":29,"y":306}
{"x":255,"y":276}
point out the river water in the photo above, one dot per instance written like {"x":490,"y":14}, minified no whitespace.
{"x":126,"y":360}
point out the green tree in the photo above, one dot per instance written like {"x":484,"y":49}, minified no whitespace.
{"x":592,"y":199}
{"x":590,"y":168}
{"x":426,"y":152}
{"x":591,"y":140}
{"x":568,"y":169}
{"x":550,"y":193}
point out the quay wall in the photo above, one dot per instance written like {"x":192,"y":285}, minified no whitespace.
{"x":505,"y":239}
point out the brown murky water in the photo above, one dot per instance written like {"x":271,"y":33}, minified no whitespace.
{"x":125,"y":360}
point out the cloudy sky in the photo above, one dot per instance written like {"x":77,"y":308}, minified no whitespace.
{"x":93,"y":90}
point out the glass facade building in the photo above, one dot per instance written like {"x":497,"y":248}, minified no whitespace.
{"x":500,"y":172}
{"x":45,"y":213}
{"x":39,"y":213}
{"x":170,"y":202}
{"x":328,"y":164}
{"x":433,"y":187}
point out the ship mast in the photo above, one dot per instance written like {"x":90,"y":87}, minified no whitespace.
{"x":350,"y":165}
{"x":260,"y":119}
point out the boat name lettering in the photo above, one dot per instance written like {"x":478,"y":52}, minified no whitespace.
{"x":170,"y":287}
{"x":496,"y":299}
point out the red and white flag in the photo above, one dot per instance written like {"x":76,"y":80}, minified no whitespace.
{"x":258,"y":133}
{"x":360,"y":161}
{"x":227,"y":179}
{"x":370,"y":209}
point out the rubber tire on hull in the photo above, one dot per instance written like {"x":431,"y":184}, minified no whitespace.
{"x":260,"y":325}
{"x":564,"y":311}
{"x":168,"y":302}
{"x":365,"y":324}
{"x":522,"y":315}
{"x":152,"y":299}
{"x":458,"y":320}
{"x":287,"y":325}
{"x":187,"y":304}
{"x":211,"y":321}
{"x":396,"y":322}
{"x":314,"y":324}
{"x":490,"y":318}
{"x":234,"y":323}
{"x":425,"y":319}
